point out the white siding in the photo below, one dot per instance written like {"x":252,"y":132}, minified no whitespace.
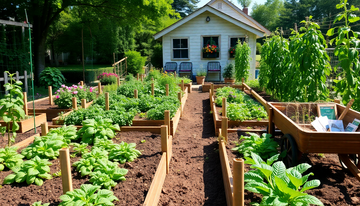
{"x":197,"y":27}
{"x":233,"y":13}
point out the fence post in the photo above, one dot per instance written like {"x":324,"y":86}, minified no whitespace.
{"x":152,"y":89}
{"x":224,"y":128}
{"x":17,"y":76}
{"x":118,"y":81}
{"x":25,"y":81}
{"x":74,"y":103}
{"x":135,"y":93}
{"x":238,"y":182}
{"x":65,"y":166}
{"x":6,"y":79}
{"x":167,"y":89}
{"x":167,"y":119}
{"x":181,"y":108}
{"x":44,"y":129}
{"x":81,"y":83}
{"x":271,"y":126}
{"x":212,"y":89}
{"x":51,"y":102}
{"x":182,"y":85}
{"x":99,"y":88}
{"x":224,"y":107}
{"x":165,"y":145}
{"x":83,"y":103}
{"x":106,"y":100}
{"x":25,"y":104}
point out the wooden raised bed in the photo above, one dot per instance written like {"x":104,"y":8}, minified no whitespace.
{"x":28,"y":124}
{"x":188,"y":86}
{"x":232,"y":123}
{"x":145,"y":125}
{"x":206,"y":87}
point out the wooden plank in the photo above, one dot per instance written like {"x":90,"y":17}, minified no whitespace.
{"x":28,"y":124}
{"x":153,"y":195}
{"x":26,"y":141}
{"x":175,"y":121}
{"x":226,"y":172}
{"x":238,"y":182}
{"x":165,"y":145}
{"x":246,"y":130}
{"x":350,"y":165}
{"x":152,"y":129}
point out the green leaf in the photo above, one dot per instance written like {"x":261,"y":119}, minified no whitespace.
{"x":330,"y":32}
{"x":39,"y":181}
{"x":310,"y":185}
{"x":9,"y":179}
{"x":309,"y":199}
{"x":353,"y":18}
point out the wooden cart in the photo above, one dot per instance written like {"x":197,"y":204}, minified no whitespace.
{"x":301,"y":138}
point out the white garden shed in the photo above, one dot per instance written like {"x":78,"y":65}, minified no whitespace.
{"x":218,"y":23}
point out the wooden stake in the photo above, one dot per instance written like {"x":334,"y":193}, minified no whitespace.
{"x":152,"y":89}
{"x":164,"y":145}
{"x":167,"y":89}
{"x":337,"y":101}
{"x":106,"y":100}
{"x":212,"y":89}
{"x":51,"y":102}
{"x":271,"y":126}
{"x":238,"y":182}
{"x":152,"y":79}
{"x":224,"y":107}
{"x":224,"y":128}
{"x":242,"y":83}
{"x":65,"y":170}
{"x":175,"y":74}
{"x":83,"y":103}
{"x":44,"y":129}
{"x":74,"y":103}
{"x":182,"y":85}
{"x":118,"y":81}
{"x":135,"y":93}
{"x":25,"y":104}
{"x":181,"y":108}
{"x":81,"y":83}
{"x":167,"y":119}
{"x":348,"y":106}
{"x":142,"y":77}
{"x":99,"y":88}
{"x":138,"y":75}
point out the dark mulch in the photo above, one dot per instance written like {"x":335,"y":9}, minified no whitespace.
{"x":19,"y":137}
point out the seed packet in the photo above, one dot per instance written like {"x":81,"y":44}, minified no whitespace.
{"x":336,"y":125}
{"x":351,"y":128}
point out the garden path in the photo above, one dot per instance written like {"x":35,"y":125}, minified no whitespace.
{"x":195,"y":173}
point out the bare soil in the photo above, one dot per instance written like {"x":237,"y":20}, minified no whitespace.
{"x":19,"y":137}
{"x":130,"y":192}
{"x":43,"y":104}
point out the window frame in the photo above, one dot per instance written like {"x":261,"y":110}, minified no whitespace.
{"x":202,"y":45}
{"x":172,"y":48}
{"x":229,"y":43}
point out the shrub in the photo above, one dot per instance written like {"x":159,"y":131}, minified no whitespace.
{"x":153,"y":74}
{"x":51,"y":77}
{"x":156,"y":57}
{"x":107,"y":78}
{"x":65,"y":94}
{"x":229,"y":71}
{"x":135,"y":62}
{"x":258,"y":48}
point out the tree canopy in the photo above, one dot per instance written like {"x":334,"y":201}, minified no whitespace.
{"x":184,"y":7}
{"x":268,"y":14}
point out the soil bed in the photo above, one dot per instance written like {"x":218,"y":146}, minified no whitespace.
{"x":130,"y":192}
{"x":338,"y":186}
{"x":43,"y":104}
{"x":19,"y":137}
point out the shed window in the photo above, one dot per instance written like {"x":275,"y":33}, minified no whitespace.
{"x":211,"y":47}
{"x":233,"y":42}
{"x":180,"y":49}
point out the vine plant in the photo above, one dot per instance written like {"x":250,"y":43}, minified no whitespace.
{"x":346,"y":50}
{"x":11,"y":108}
{"x":242,"y":61}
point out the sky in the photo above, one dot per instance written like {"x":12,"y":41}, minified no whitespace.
{"x":203,"y":2}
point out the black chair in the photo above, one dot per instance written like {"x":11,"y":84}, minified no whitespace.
{"x":170,"y":67}
{"x":214,"y":67}
{"x":185,"y":67}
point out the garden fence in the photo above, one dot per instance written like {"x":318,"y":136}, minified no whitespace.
{"x":25,"y":77}
{"x":119,"y":68}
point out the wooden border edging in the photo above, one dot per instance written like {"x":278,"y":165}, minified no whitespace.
{"x":26,"y":141}
{"x":226,"y":172}
{"x":28,"y":124}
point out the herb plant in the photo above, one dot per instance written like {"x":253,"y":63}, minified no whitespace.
{"x":31,"y":171}
{"x":97,"y":128}
{"x":87,"y":196}
{"x":51,"y":77}
{"x":229,"y":71}
{"x":90,"y":160}
{"x":10,"y":158}
{"x":278,"y":185}
{"x":124,"y":152}
{"x":106,"y":174}
{"x":12,"y":108}
{"x":79,"y":149}
{"x":263,"y":146}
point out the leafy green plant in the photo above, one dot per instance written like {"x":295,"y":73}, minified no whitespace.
{"x":39,"y":204}
{"x":107,"y":173}
{"x":124,"y":152}
{"x":229,"y":71}
{"x":90,"y":160}
{"x":64,"y":95}
{"x":107,"y":78}
{"x":97,"y":128}
{"x":135,"y":62}
{"x":31,"y":171}
{"x":86,"y":196}
{"x":201,"y":72}
{"x":278,"y":185}
{"x":51,"y":77}
{"x":79,"y":149}
{"x":12,"y":108}
{"x":242,"y":61}
{"x":68,"y":132}
{"x":157,"y":113}
{"x":110,"y":88}
{"x":347,"y":43}
{"x":261,"y":145}
{"x":10,"y":158}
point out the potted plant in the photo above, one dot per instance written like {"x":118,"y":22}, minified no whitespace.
{"x":200,"y":76}
{"x":210,"y":51}
{"x":229,"y":74}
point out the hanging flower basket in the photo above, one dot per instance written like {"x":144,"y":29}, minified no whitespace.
{"x":211,"y":51}
{"x":232,"y":51}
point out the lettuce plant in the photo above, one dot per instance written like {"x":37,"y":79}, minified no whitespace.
{"x":106,"y":173}
{"x":79,"y":149}
{"x":263,"y":146}
{"x":31,"y":171}
{"x":278,"y":185}
{"x":90,"y":160}
{"x":10,"y":158}
{"x":45,"y":146}
{"x":87,"y":196}
{"x":124,"y":152}
{"x":97,"y":128}
{"x":68,"y":132}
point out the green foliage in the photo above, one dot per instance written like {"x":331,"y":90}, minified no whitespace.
{"x":253,"y":83}
{"x":153,"y":74}
{"x":90,"y":160}
{"x":12,"y":108}
{"x":106,"y":174}
{"x":268,"y":15}
{"x":64,"y":95}
{"x":31,"y":171}
{"x":97,"y":128}
{"x":201,"y":72}
{"x":258,"y":48}
{"x":244,"y":3}
{"x":68,"y":132}
{"x":135,"y":62}
{"x":278,"y":185}
{"x":229,"y":71}
{"x":108,"y":80}
{"x":39,"y":204}
{"x":347,"y":43}
{"x":79,"y":149}
{"x":110,"y":88}
{"x":157,"y":113}
{"x":9,"y":158}
{"x":86,"y":196}
{"x":263,"y":146}
{"x":242,"y":61}
{"x":187,"y":80}
{"x":124,"y":152}
{"x":51,"y":77}
{"x":157,"y":58}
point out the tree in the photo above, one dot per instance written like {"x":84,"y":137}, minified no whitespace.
{"x":244,"y":3}
{"x":184,"y":7}
{"x":268,"y":14}
{"x":43,"y":13}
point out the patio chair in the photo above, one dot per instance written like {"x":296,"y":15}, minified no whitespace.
{"x":214,"y":67}
{"x":170,"y":67}
{"x":185,"y":68}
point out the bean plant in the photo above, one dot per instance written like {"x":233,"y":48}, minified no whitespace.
{"x":242,"y":61}
{"x":347,"y":43}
